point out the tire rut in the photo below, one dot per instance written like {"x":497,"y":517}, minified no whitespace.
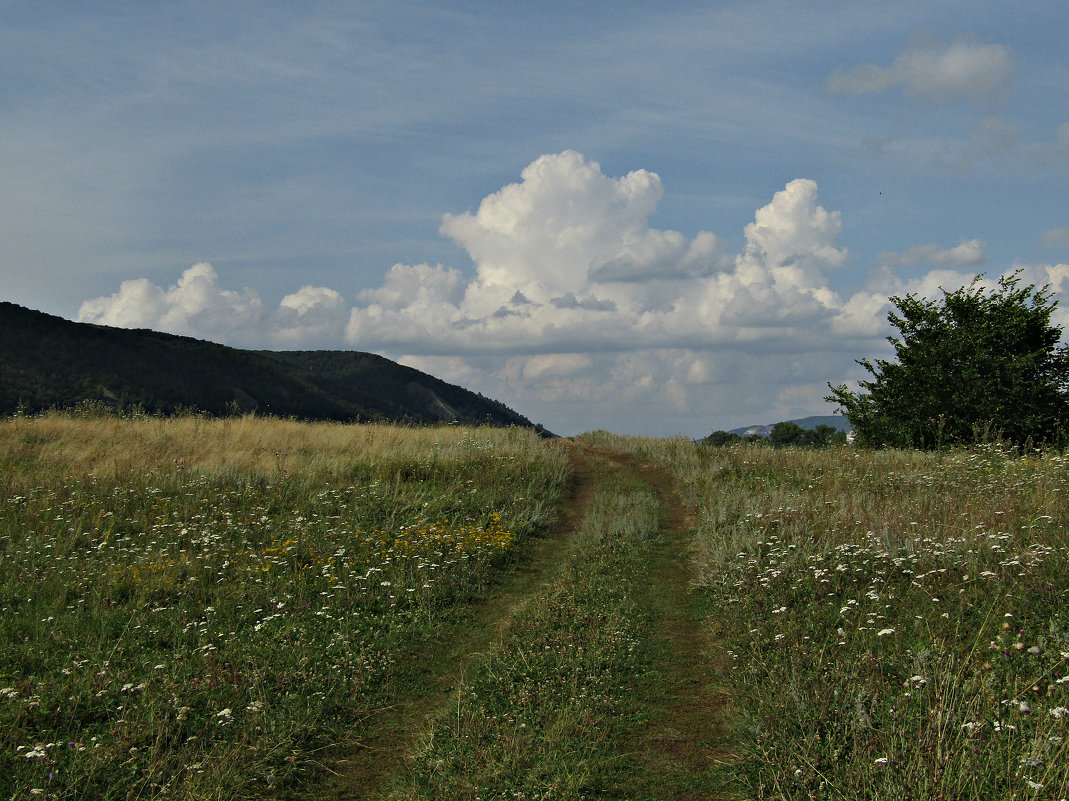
{"x":391,"y":733}
{"x":685,"y":738}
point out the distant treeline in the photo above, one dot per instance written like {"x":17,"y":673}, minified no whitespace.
{"x":787,"y":434}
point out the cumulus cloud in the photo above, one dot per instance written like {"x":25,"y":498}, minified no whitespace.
{"x":967,"y":254}
{"x":197,"y":305}
{"x":312,"y":312}
{"x":934,"y":71}
{"x":578,"y":312}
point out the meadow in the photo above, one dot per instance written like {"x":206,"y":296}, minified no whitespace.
{"x":897,"y":623}
{"x":193,"y":608}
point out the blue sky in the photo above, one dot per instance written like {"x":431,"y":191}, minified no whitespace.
{"x":652,"y":219}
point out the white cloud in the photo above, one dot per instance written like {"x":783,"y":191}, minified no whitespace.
{"x":934,"y":71}
{"x":312,"y":313}
{"x":967,"y":254}
{"x":578,"y":313}
{"x":548,"y":365}
{"x":419,"y":285}
{"x":197,"y":305}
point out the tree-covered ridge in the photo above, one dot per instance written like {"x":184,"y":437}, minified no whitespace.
{"x":47,"y":362}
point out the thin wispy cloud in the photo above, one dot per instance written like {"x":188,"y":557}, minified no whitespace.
{"x":934,"y":71}
{"x":969,"y":253}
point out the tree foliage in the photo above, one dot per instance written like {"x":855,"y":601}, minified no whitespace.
{"x":974,"y":364}
{"x":790,"y":434}
{"x":786,"y":434}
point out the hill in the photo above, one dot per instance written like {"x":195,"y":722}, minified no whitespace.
{"x":48,"y":362}
{"x":836,"y":421}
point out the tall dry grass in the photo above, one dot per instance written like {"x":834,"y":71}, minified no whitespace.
{"x":110,"y":446}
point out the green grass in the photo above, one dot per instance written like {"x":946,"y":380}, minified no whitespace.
{"x":205,"y":630}
{"x":198,"y":609}
{"x":544,"y":716}
{"x":898,"y":622}
{"x":602,"y":686}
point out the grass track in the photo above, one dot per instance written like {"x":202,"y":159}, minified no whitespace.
{"x":487,"y":717}
{"x":578,"y":664}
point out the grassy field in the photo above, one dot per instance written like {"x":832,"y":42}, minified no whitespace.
{"x":205,"y":609}
{"x":897,"y":622}
{"x":225,"y":609}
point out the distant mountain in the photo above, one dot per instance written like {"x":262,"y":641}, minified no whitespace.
{"x":47,"y":362}
{"x":836,"y":421}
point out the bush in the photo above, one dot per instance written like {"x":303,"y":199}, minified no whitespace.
{"x":975,"y":365}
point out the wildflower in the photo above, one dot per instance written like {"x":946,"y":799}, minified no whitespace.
{"x":884,"y":632}
{"x":880,"y":761}
{"x":1059,"y":712}
{"x":225,"y":714}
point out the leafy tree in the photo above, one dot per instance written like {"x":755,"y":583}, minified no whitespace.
{"x":824,"y":435}
{"x":784,"y":434}
{"x":972,"y":365}
{"x":791,"y":434}
{"x":721,"y":438}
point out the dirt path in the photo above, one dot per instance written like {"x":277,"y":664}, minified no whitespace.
{"x":684,"y":740}
{"x":687,"y":741}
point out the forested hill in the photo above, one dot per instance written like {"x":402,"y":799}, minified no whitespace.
{"x":47,"y":362}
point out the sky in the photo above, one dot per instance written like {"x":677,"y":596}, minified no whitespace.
{"x":655,"y":219}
